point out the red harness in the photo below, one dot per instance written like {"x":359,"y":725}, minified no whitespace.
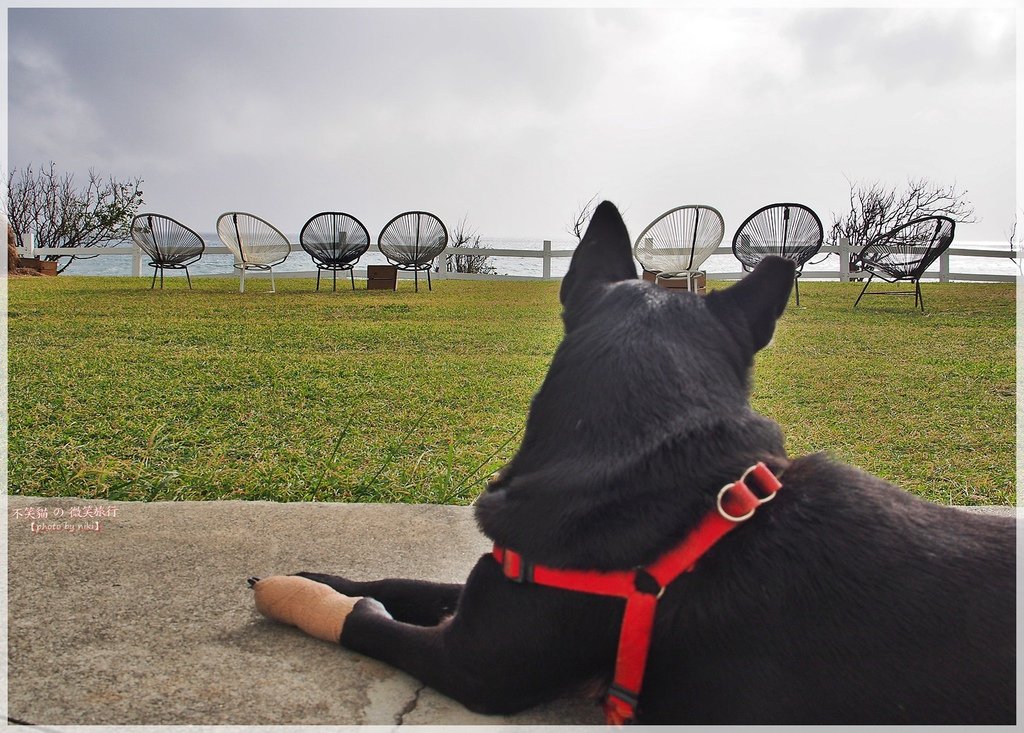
{"x":642,"y":587}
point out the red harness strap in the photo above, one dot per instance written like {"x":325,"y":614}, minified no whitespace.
{"x":642,"y":587}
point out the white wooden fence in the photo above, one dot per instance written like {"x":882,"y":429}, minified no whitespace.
{"x":547,"y":254}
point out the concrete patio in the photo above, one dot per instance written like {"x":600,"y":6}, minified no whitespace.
{"x":149,"y":620}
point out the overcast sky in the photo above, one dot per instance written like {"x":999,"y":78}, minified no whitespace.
{"x":514,"y":117}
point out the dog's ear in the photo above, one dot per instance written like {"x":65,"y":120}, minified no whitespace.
{"x":603,"y":256}
{"x":757,"y":300}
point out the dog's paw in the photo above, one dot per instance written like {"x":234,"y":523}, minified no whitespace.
{"x":315,"y":608}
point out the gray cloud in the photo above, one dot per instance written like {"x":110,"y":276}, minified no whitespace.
{"x":510,"y":115}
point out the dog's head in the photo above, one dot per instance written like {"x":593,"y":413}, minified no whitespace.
{"x":643,"y":414}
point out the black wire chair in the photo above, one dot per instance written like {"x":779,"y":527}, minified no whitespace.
{"x":904,"y":254}
{"x":792,"y":231}
{"x":255,"y":243}
{"x":412,"y":240}
{"x":680,"y":240}
{"x":170,"y":244}
{"x":335,"y":241}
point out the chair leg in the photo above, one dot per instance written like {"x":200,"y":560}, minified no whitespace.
{"x":161,"y":278}
{"x":152,"y":284}
{"x":429,"y":286}
{"x":334,"y":287}
{"x":796,"y":287}
{"x":862,"y":291}
{"x":318,"y":271}
{"x":352,"y":277}
{"x":188,"y":278}
{"x":416,"y":279}
{"x":241,"y":282}
{"x":918,"y":297}
{"x":273,"y":288}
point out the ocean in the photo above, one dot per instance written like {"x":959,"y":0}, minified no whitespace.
{"x":299,"y":261}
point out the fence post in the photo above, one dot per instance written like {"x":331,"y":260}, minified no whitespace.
{"x":136,"y":260}
{"x":844,"y":259}
{"x":442,"y":264}
{"x":944,"y":267}
{"x":546,"y":267}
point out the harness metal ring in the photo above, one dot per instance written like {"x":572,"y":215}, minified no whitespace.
{"x":725,"y":514}
{"x":743,"y":480}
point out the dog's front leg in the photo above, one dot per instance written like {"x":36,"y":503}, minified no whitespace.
{"x":507,"y":648}
{"x":411,"y":601}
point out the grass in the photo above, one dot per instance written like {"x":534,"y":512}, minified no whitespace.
{"x":119,"y":392}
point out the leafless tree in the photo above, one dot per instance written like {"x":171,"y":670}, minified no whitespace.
{"x":1011,"y":233}
{"x":876,"y":208}
{"x":1014,"y":239}
{"x":465,"y":236}
{"x":578,"y":224}
{"x":64,"y":215}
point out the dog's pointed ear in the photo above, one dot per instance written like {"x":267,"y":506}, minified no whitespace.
{"x":603,"y":256}
{"x":757,"y":300}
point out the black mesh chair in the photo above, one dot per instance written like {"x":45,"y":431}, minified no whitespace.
{"x":412,"y":240}
{"x":335,"y":241}
{"x":904,"y":254}
{"x":170,"y":244}
{"x":255,"y":243}
{"x":680,"y":240}
{"x":792,"y":231}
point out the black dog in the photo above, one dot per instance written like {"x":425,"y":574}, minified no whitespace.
{"x":844,"y":600}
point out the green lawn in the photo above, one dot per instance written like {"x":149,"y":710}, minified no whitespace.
{"x":119,"y":392}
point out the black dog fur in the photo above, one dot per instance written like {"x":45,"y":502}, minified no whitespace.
{"x":845,"y":600}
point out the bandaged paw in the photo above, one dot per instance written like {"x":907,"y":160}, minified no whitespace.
{"x":317,"y":609}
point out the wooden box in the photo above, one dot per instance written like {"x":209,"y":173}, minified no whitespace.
{"x":381,"y":277}
{"x":682,"y":282}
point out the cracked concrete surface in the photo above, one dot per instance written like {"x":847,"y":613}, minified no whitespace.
{"x":409,"y":706}
{"x":148,"y":620}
